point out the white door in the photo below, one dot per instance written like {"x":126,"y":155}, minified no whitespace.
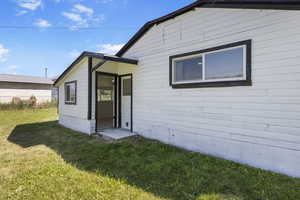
{"x":126,"y":92}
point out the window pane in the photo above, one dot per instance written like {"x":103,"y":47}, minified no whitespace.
{"x":189,"y":69}
{"x":126,"y":87}
{"x":106,"y":95}
{"x":67,"y":93}
{"x":70,"y":92}
{"x":224,"y":64}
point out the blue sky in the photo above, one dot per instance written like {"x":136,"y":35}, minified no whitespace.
{"x":35,"y":34}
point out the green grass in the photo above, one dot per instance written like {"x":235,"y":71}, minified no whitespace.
{"x":41,"y":160}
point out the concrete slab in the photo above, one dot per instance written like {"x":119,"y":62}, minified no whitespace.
{"x":116,"y":134}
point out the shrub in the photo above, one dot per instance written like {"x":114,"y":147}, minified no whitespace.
{"x":16,"y":100}
{"x":32,"y":101}
{"x":18,"y":104}
{"x":48,"y":104}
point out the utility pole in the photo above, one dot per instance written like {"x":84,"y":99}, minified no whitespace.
{"x":46,"y":72}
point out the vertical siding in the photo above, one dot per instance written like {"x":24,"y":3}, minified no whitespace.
{"x":258,"y":125}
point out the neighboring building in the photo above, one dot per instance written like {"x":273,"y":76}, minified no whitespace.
{"x":54,"y":90}
{"x":220,"y":77}
{"x":24,"y":87}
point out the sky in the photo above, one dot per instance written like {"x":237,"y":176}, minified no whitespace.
{"x":39,"y":34}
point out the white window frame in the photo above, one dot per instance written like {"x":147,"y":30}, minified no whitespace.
{"x":203,"y":55}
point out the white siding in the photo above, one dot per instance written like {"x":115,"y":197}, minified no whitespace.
{"x":75,"y":116}
{"x":24,"y":91}
{"x":258,"y":125}
{"x":41,"y":95}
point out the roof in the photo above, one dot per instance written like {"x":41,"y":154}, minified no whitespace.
{"x":240,"y":4}
{"x":102,"y":56}
{"x":24,"y":79}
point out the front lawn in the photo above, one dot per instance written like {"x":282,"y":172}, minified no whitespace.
{"x":41,"y":160}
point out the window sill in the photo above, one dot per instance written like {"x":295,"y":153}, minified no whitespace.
{"x":212,"y":84}
{"x":70,"y":103}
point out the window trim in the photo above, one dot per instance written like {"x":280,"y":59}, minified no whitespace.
{"x":68,"y":102}
{"x":229,"y":82}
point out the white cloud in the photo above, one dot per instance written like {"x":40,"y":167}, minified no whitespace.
{"x":74,"y":17}
{"x":42,"y":23}
{"x":3,"y":53}
{"x":83,"y":9}
{"x":21,"y":12}
{"x":109,"y":48}
{"x":29,"y":4}
{"x":11,"y":69}
{"x":74,"y":54}
{"x":82,"y":16}
{"x":104,"y":1}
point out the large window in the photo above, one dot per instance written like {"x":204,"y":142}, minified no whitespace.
{"x":70,"y":92}
{"x":227,"y":65}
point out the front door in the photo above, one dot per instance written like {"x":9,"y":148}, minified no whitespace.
{"x":106,"y":112}
{"x":126,"y":102}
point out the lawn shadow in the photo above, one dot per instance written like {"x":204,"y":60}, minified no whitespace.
{"x":163,"y":170}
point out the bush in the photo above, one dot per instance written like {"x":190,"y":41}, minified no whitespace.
{"x":16,"y":100}
{"x":18,"y":104}
{"x":32,"y":101}
{"x":48,"y":104}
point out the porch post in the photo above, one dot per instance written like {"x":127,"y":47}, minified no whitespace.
{"x":90,"y":65}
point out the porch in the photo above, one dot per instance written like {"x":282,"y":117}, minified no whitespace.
{"x":112,"y":99}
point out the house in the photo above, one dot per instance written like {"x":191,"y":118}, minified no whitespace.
{"x":218,"y":77}
{"x":24,"y":87}
{"x":54,"y":92}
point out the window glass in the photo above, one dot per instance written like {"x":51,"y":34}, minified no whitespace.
{"x":105,"y":94}
{"x":70,"y":92}
{"x":188,"y":69}
{"x":224,"y":64}
{"x":126,"y":87}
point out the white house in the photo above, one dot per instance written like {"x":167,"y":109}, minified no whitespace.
{"x":24,"y":87}
{"x":219,"y":77}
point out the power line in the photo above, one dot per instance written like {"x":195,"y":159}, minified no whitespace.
{"x":67,"y":28}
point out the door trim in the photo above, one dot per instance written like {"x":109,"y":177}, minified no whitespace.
{"x":115,"y":97}
{"x":120,"y":101}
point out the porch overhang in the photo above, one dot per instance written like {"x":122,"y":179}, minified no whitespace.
{"x":105,"y":58}
{"x":100,"y":57}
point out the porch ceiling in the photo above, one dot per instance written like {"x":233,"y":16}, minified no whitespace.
{"x":103,"y":58}
{"x":111,"y":59}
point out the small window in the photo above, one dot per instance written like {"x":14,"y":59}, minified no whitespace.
{"x":126,"y":87}
{"x":70,"y":92}
{"x":105,"y":94}
{"x":227,"y":65}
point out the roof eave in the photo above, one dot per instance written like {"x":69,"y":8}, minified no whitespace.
{"x":98,"y":56}
{"x":26,"y":82}
{"x":238,"y":4}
